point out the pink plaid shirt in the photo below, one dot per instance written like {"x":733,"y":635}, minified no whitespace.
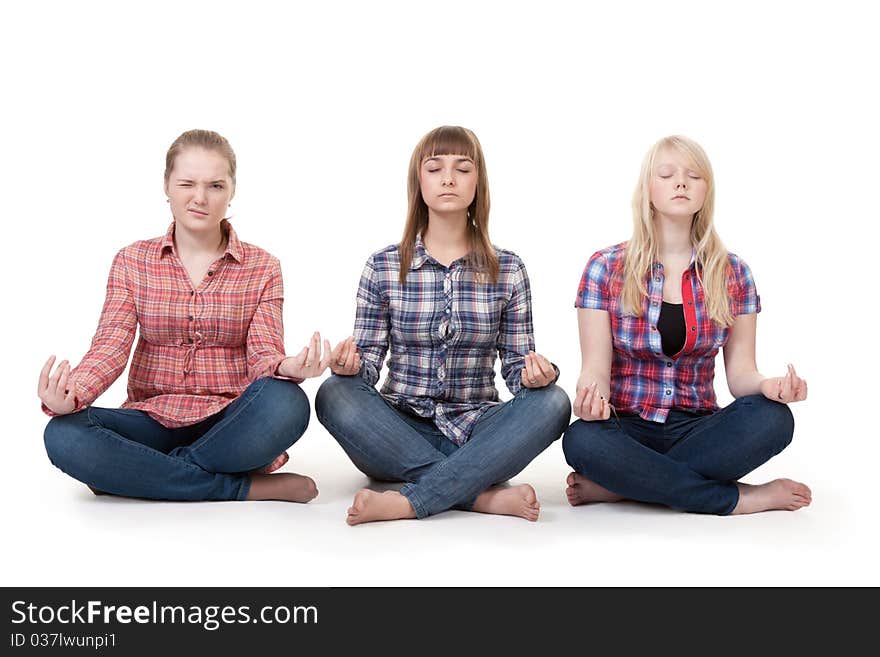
{"x":644,"y":380}
{"x":199,"y":348}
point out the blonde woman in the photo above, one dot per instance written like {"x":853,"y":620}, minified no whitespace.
{"x":444,"y":302}
{"x":213,"y":400}
{"x":653,"y":313}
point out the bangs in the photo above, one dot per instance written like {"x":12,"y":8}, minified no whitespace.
{"x":448,"y":140}
{"x":697,"y":158}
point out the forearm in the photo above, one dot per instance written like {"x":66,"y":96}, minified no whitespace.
{"x":595,"y":372}
{"x":745,"y":382}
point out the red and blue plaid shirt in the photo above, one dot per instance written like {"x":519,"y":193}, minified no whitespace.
{"x":443,"y":328}
{"x":644,"y":380}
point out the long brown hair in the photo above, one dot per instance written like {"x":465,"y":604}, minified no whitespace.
{"x":450,"y":140}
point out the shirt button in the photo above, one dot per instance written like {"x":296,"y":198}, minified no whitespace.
{"x":653,"y":303}
{"x":668,"y":391}
{"x":657,"y":278}
{"x":211,"y":273}
{"x":191,"y":318}
{"x":653,"y":328}
{"x":693,"y":328}
{"x":669,"y":364}
{"x":192,"y":292}
{"x":690,"y":303}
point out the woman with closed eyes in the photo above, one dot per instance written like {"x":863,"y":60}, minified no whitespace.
{"x":213,"y":402}
{"x":653,"y":313}
{"x":443,"y":302}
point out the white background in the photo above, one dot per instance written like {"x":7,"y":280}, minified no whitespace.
{"x":323,"y":105}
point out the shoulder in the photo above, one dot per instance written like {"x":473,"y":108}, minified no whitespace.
{"x":607,"y":261}
{"x":254,"y":257}
{"x":740,"y":272}
{"x":387,"y":258}
{"x":141,"y":251}
{"x":508,"y":261}
{"x":613,"y":255}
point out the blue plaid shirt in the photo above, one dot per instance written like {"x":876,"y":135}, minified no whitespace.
{"x":443,"y":328}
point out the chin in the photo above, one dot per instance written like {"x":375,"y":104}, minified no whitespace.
{"x":684,"y":214}
{"x":197,"y":225}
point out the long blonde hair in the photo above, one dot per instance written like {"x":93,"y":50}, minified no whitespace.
{"x":711,"y":254}
{"x":450,"y":140}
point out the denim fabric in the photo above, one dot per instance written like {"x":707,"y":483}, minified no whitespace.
{"x":126,"y":452}
{"x":689,"y":462}
{"x":389,"y":444}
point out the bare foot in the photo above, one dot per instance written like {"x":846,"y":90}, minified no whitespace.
{"x":582,"y":490}
{"x":369,"y":506}
{"x":782,"y":494}
{"x":283,"y":486}
{"x":279,"y":462}
{"x":518,"y":501}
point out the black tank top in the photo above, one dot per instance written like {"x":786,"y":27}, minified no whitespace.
{"x":672,"y":328}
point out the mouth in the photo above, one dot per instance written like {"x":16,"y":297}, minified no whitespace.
{"x":680,"y":197}
{"x":198,"y":212}
{"x":448,"y":195}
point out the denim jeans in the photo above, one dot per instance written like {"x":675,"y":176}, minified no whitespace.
{"x":690,"y":462}
{"x":126,"y":452}
{"x":392,"y":445}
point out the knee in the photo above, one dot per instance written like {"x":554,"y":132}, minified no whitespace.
{"x":286,"y":404}
{"x":553,"y":405}
{"x":557,"y":405}
{"x":62,"y":437}
{"x":581,"y":443}
{"x":335,"y":397}
{"x":768,"y":420}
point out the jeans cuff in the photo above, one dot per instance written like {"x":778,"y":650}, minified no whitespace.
{"x":244,"y":488}
{"x":409,"y":492}
{"x":735,"y":501}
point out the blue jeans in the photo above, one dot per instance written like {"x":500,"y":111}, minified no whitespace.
{"x":690,"y":462}
{"x":126,"y":452}
{"x":391,"y":445}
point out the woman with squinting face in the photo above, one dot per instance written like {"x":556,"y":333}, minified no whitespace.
{"x":213,"y":401}
{"x":653,"y":313}
{"x":443,"y":302}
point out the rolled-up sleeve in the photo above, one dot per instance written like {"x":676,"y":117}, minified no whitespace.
{"x":111,"y":344}
{"x":371,"y":324}
{"x":593,"y":288}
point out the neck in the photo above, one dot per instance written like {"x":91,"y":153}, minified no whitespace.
{"x":446,"y":230}
{"x":188,"y":242}
{"x":673,"y":235}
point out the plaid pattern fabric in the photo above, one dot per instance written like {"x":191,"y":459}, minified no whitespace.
{"x":643,"y":379}
{"x":198,"y":348}
{"x":443,"y":328}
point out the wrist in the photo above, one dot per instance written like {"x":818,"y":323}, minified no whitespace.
{"x":284,"y":368}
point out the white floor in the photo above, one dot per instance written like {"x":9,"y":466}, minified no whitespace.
{"x":57,"y":533}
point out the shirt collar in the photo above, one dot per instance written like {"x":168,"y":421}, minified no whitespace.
{"x":693,"y":263}
{"x":420,"y":254}
{"x":233,"y":245}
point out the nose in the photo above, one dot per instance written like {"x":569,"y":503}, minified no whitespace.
{"x":448,"y":178}
{"x":199,"y":196}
